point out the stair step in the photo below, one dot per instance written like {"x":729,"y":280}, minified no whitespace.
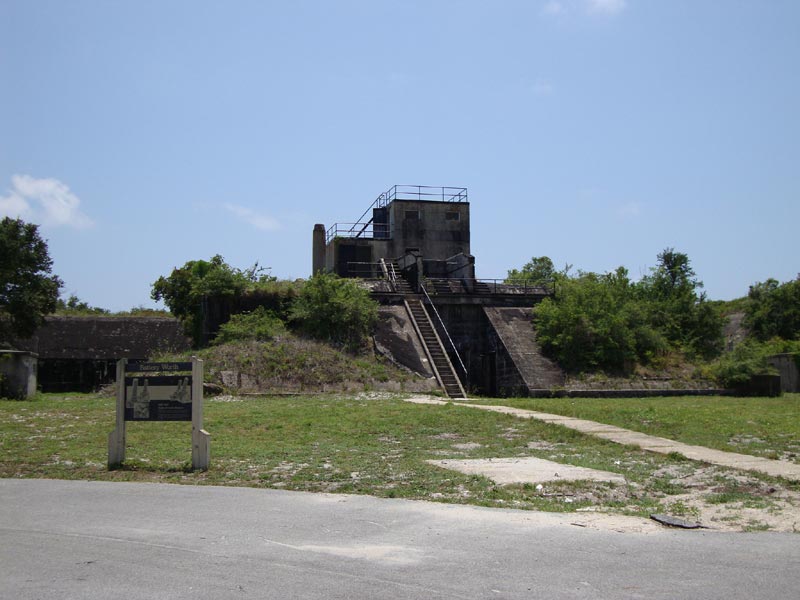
{"x":447,"y":376}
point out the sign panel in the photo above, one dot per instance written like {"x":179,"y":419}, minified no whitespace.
{"x":158,"y":398}
{"x":152,"y":367}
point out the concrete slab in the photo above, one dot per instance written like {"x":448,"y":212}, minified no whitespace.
{"x":525,"y":470}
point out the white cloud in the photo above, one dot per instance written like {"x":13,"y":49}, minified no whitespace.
{"x":630,"y":210}
{"x":542,"y":87}
{"x":553,"y":8}
{"x":607,"y":7}
{"x":46,"y":201}
{"x":259,"y":221}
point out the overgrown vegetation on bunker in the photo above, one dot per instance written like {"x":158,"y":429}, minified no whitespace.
{"x":609,"y":323}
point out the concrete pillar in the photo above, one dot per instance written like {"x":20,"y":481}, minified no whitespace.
{"x":18,"y":370}
{"x":318,"y":249}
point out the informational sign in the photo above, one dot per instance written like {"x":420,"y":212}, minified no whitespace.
{"x":158,"y":398}
{"x":150,"y":391}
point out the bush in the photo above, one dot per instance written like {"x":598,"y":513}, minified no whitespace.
{"x":260,"y":325}
{"x":332,"y":309}
{"x":748,"y":359}
{"x":595,"y":323}
{"x":773,"y":310}
{"x":186,"y":289}
{"x":738,"y":366}
{"x":607,"y":322}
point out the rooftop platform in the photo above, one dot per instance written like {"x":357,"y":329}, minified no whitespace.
{"x":365,"y":227}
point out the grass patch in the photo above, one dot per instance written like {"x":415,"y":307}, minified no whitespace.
{"x":766,"y":427}
{"x":362,"y":444}
{"x":327,"y":444}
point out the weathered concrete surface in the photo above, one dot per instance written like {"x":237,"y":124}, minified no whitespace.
{"x":17,"y":374}
{"x":396,"y":339}
{"x":105,"y":338}
{"x":138,"y":541}
{"x":788,"y":366}
{"x":525,"y":470}
{"x":514,"y":328}
{"x":745,"y":462}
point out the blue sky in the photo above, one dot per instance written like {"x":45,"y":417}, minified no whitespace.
{"x":143,"y":134}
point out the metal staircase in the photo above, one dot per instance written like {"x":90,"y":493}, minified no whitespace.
{"x":442,"y":367}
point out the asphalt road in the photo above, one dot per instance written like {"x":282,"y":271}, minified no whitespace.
{"x":92,"y":540}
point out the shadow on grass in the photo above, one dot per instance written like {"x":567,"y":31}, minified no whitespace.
{"x":143,"y":467}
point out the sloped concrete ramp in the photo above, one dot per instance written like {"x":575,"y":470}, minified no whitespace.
{"x":514,"y":328}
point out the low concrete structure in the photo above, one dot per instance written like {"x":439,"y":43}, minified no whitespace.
{"x":788,"y":366}
{"x":80,"y":353}
{"x":18,"y":370}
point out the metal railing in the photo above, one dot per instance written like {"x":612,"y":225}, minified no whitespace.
{"x":366,"y":270}
{"x":426,"y":192}
{"x":519,"y":286}
{"x":354,"y":230}
{"x":396,"y":192}
{"x":449,"y":339}
{"x":494,"y":286}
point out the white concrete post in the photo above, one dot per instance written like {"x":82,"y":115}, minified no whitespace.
{"x":201,"y":440}
{"x":116,"y":439}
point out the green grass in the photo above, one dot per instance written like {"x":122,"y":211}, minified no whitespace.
{"x":362,"y":445}
{"x":768,"y":427}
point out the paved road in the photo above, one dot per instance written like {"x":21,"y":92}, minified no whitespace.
{"x":745,"y":462}
{"x":92,"y":540}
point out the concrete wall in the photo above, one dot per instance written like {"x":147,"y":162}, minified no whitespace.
{"x":18,"y":371}
{"x":396,"y":338}
{"x":491,"y":369}
{"x":514,"y":328}
{"x":105,"y":338}
{"x":436,"y":234}
{"x":788,"y":366}
{"x":78,"y":353}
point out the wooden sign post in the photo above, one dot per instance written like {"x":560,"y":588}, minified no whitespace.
{"x":151,"y":396}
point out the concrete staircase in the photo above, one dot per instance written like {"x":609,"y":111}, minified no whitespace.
{"x":514,"y":328}
{"x":401,"y":286}
{"x":442,"y":367}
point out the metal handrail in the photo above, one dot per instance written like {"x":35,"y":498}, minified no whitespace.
{"x":426,"y":192}
{"x":397,"y":192}
{"x":501,"y":285}
{"x":449,"y":339}
{"x":354,"y":230}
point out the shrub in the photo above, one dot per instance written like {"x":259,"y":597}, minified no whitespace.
{"x":774,"y":310}
{"x":260,"y":325}
{"x":336,"y":310}
{"x":738,"y":366}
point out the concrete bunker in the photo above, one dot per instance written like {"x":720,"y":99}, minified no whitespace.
{"x":412,"y":248}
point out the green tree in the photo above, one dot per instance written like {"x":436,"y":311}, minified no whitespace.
{"x":185,"y":288}
{"x":678,"y":310}
{"x":538,"y":270}
{"x":332,"y":309}
{"x":28,"y":289}
{"x":607,"y":322}
{"x":595,"y":323}
{"x":773,"y":310}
